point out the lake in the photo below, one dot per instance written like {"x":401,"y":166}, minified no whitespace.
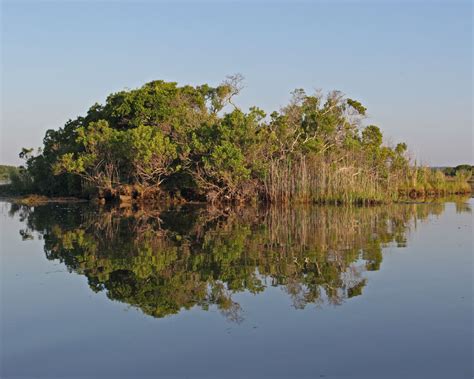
{"x":190,"y":291}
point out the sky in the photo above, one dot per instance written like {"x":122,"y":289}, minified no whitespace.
{"x":408,"y":62}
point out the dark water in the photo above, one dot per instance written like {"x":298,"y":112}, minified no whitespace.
{"x":382,"y":292}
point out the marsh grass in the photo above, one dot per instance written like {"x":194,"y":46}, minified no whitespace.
{"x":343,"y":181}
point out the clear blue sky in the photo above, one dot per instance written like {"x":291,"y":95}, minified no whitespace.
{"x":409,"y":63}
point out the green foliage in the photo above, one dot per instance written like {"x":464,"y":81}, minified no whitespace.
{"x":452,"y":171}
{"x":372,"y":137}
{"x":102,"y":158}
{"x":357,"y":106}
{"x":7,"y":171}
{"x":151,"y":155}
{"x":193,"y":142}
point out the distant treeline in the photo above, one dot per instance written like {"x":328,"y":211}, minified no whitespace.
{"x":452,"y":171}
{"x":7,"y":171}
{"x":163,"y":141}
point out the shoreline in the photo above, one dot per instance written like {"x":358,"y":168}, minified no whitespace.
{"x":34,"y":200}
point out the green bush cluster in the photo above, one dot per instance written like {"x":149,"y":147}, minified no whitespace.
{"x":192,"y":143}
{"x":6,"y":172}
{"x":453,"y":171}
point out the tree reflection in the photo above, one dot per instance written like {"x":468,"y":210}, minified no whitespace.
{"x":165,"y":260}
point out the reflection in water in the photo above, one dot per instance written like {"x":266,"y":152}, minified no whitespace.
{"x":164,"y":261}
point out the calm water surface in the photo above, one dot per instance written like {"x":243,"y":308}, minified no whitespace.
{"x":382,"y":292}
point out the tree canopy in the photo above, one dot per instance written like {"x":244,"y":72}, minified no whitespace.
{"x":187,"y":142}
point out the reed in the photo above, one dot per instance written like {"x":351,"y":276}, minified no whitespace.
{"x":352,"y":179}
{"x":323,"y":180}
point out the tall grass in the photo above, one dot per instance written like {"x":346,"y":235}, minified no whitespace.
{"x":319,"y":180}
{"x":338,"y":181}
{"x":423,"y":181}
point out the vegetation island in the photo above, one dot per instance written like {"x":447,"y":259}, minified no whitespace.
{"x":165,"y":142}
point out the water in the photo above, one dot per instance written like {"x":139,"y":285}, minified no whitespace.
{"x":382,"y":292}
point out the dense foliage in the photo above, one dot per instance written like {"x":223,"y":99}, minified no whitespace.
{"x":193,"y":143}
{"x":453,"y":171}
{"x":7,"y":171}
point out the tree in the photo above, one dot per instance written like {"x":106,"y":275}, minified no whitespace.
{"x":152,"y":155}
{"x":105,"y":150}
